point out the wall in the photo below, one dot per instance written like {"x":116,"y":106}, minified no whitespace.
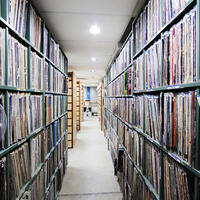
{"x":93,"y":94}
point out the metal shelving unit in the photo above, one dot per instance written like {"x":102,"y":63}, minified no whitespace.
{"x":6,"y":89}
{"x":194,"y":171}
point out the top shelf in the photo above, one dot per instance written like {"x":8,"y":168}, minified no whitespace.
{"x":26,"y":41}
{"x":189,"y":5}
{"x":166,"y":27}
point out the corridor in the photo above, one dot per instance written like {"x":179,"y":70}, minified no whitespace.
{"x":90,"y":173}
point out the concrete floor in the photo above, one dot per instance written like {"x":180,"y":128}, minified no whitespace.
{"x":90,"y":174}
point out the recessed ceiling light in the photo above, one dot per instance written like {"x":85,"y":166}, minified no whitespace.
{"x":92,"y":70}
{"x":94,"y":29}
{"x":93,"y":59}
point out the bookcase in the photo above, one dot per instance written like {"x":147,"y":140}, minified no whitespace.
{"x":78,"y":105}
{"x":151,"y":103}
{"x":71,"y":109}
{"x":82,"y":104}
{"x":100,"y":103}
{"x":33,"y":94}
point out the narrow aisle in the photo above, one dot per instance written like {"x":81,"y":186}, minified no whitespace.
{"x":90,"y":173}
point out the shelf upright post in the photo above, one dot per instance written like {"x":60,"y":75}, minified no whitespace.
{"x":143,"y":125}
{"x":29,"y":67}
{"x":4,"y":9}
{"x":43,"y":99}
{"x":49,"y":76}
{"x":29,"y":47}
{"x":48,"y":133}
{"x":0,"y":8}
{"x":132,"y":86}
{"x":42,"y":39}
{"x":161,"y":152}
{"x":197,"y":153}
{"x":6,"y":55}
{"x":132,"y":63}
{"x":28,"y":27}
{"x":133,"y":53}
{"x":133,"y":31}
{"x":7,"y":143}
{"x":53,"y":117}
{"x":162,"y":60}
{"x":144,"y":70}
{"x":53,"y":175}
{"x":27,"y":36}
{"x":162,"y":107}
{"x":43,"y":102}
{"x":49,"y":41}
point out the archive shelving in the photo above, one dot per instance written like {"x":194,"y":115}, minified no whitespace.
{"x":33,"y":152}
{"x":71,"y":110}
{"x":78,"y":105}
{"x":82,"y":104}
{"x":100,"y":103}
{"x":155,"y":150}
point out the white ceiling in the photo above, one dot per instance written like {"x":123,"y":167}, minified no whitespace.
{"x":70,"y":21}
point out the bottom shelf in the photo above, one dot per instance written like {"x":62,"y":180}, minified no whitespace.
{"x":56,"y":180}
{"x":146,"y":173}
{"x":47,"y":172}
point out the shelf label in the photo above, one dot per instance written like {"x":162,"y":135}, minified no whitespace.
{"x":173,"y":87}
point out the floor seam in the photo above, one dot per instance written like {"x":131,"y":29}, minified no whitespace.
{"x":87,"y":194}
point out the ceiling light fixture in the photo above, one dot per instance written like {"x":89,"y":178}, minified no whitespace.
{"x":92,"y":71}
{"x":93,"y":59}
{"x":94,"y":29}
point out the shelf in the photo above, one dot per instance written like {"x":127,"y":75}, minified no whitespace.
{"x":37,"y":51}
{"x":15,"y":89}
{"x":119,"y":75}
{"x":185,"y":87}
{"x":129,"y":187}
{"x":178,"y":16}
{"x":39,"y":168}
{"x":56,"y":93}
{"x":119,"y":96}
{"x":112,"y":146}
{"x":25,"y":187}
{"x":15,"y":33}
{"x":131,"y":32}
{"x":172,"y":155}
{"x":56,"y":67}
{"x":12,"y":147}
{"x":54,"y":147}
{"x":57,"y":119}
{"x":166,"y":89}
{"x":26,"y":42}
{"x":126,"y":123}
{"x":6,"y":89}
{"x":148,"y":184}
{"x":181,"y":87}
{"x":53,"y":177}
